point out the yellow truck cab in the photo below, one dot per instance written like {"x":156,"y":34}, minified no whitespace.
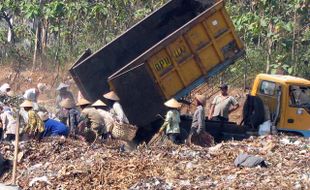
{"x":290,"y":97}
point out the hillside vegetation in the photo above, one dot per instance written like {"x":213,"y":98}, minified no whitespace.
{"x":53,"y":33}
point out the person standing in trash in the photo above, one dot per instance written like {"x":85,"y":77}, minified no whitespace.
{"x":222,"y":105}
{"x":52,"y":127}
{"x":32,"y":95}
{"x":117,"y":110}
{"x":8,"y":118}
{"x":198,"y":135}
{"x":34,"y":126}
{"x":90,"y":119}
{"x":172,"y":121}
{"x":69,"y":115}
{"x":103,"y":110}
{"x":63,"y":93}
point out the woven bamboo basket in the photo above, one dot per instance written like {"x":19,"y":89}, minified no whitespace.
{"x":124,"y":131}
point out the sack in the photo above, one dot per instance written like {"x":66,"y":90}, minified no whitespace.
{"x":265,"y":128}
{"x":124,"y":131}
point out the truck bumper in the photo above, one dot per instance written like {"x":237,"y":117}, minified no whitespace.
{"x":304,"y":133}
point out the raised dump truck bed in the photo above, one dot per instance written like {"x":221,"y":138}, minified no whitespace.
{"x":91,"y":71}
{"x":176,"y":65}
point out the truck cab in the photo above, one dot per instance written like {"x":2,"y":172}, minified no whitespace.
{"x":290,"y":97}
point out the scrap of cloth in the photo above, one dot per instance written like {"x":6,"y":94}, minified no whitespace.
{"x":245,"y":160}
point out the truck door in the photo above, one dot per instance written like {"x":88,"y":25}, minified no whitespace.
{"x":297,"y":112}
{"x":268,"y":93}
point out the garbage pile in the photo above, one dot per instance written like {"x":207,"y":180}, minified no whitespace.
{"x":58,"y":163}
{"x":13,"y":101}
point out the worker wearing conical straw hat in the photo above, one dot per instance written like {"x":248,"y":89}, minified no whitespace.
{"x":198,"y":135}
{"x":172,"y":121}
{"x":90,"y":119}
{"x":63,"y":93}
{"x":117,"y":111}
{"x":35,"y":126}
{"x":103,"y":110}
{"x":69,"y":115}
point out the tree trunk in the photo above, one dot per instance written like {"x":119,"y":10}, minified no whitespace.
{"x":38,"y":45}
{"x":269,"y":49}
{"x":45,"y":35}
{"x":293,"y":54}
{"x":9,"y":20}
{"x":38,"y":42}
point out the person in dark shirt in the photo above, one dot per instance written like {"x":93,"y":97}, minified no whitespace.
{"x":69,"y":115}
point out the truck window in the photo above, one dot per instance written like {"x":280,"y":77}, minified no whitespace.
{"x":299,"y":96}
{"x":268,"y":88}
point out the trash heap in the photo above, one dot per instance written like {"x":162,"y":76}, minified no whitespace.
{"x":13,"y":101}
{"x":57,"y":163}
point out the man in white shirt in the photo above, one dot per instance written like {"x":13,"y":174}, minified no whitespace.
{"x":32,"y":94}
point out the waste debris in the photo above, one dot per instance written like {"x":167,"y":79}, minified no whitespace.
{"x":13,"y":101}
{"x":57,"y":163}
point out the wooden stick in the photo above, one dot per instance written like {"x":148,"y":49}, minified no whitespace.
{"x":16,"y":151}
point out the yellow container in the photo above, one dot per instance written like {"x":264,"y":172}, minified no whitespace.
{"x":192,"y":52}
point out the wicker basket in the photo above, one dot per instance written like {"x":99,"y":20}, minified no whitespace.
{"x":124,"y":131}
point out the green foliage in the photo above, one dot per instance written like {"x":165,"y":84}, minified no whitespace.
{"x":271,"y":29}
{"x":278,"y":28}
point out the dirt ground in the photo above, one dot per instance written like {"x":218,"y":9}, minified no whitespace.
{"x":26,"y":79}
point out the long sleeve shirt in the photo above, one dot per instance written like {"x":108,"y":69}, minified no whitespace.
{"x":172,"y":122}
{"x":35,"y":125}
{"x":54,"y":128}
{"x":69,"y":118}
{"x":9,"y":121}
{"x":198,"y":122}
{"x":119,"y":113}
{"x":62,"y":96}
{"x":108,"y":119}
{"x":93,"y":120}
{"x":92,"y":115}
{"x":31,"y":95}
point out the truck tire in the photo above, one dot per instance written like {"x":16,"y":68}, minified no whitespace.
{"x":253,"y":112}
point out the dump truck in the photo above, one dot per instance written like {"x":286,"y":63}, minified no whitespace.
{"x":91,"y":70}
{"x":176,"y":65}
{"x":193,"y":46}
{"x":168,"y":54}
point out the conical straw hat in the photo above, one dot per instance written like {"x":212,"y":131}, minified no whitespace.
{"x":111,"y":96}
{"x":99,"y":103}
{"x":67,"y":103}
{"x":26,"y":104}
{"x":201,"y":98}
{"x":83,"y":102}
{"x":173,"y":103}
